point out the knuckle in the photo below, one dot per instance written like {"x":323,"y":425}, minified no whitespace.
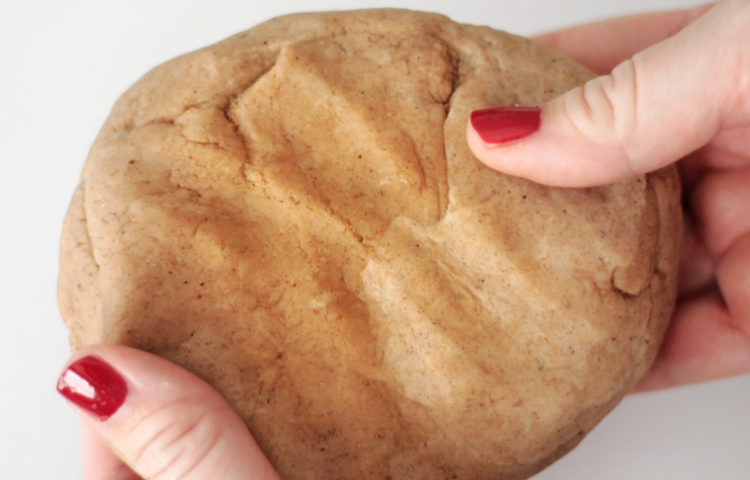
{"x":609,"y":113}
{"x":175,"y":440}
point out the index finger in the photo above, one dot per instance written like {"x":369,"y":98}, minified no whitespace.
{"x":601,"y":46}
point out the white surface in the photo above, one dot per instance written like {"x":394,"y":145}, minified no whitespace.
{"x":63,"y":66}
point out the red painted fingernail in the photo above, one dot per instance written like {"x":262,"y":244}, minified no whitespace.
{"x":93,"y":385}
{"x":502,"y":125}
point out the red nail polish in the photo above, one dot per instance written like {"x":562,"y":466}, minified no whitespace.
{"x":93,"y":385}
{"x":502,"y":125}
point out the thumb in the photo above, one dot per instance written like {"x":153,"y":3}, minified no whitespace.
{"x":665,"y":102}
{"x":161,"y":420}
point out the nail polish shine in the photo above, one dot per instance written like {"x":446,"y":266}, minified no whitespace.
{"x":506,"y":124}
{"x":93,"y":385}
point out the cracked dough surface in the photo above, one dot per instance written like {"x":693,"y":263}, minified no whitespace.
{"x":293,"y":214}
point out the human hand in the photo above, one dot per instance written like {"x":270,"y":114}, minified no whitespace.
{"x":679,"y":92}
{"x":164,"y":422}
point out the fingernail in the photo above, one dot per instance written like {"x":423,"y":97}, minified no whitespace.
{"x":502,"y":125}
{"x":93,"y":385}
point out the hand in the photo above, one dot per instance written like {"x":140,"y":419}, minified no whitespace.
{"x":679,"y":92}
{"x":164,"y":422}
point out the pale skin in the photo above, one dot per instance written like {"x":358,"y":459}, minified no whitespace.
{"x":682,"y":95}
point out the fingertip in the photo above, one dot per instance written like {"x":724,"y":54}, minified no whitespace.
{"x":171,"y":424}
{"x":480,"y":149}
{"x":504,"y":125}
{"x":502,"y":157}
{"x":553,"y":155}
{"x":92,"y":385}
{"x":498,"y":149}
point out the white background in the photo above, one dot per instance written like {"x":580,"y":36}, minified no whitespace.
{"x":63,"y":64}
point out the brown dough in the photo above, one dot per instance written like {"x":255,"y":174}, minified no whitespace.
{"x":293,"y":214}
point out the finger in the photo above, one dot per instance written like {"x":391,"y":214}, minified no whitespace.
{"x":729,"y":150}
{"x":603,"y":45}
{"x":161,"y":420}
{"x":664,"y":103}
{"x":98,"y":460}
{"x":702,"y":343}
{"x":697,"y":269}
{"x":721,"y":205}
{"x":709,"y":337}
{"x":733,"y":275}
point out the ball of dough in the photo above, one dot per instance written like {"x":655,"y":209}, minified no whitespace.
{"x":293,"y":214}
